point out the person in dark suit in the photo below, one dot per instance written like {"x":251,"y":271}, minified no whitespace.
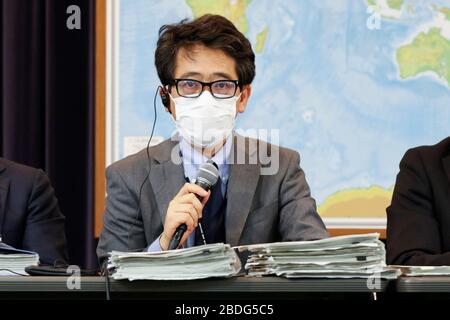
{"x":418,"y":219}
{"x":30,"y":218}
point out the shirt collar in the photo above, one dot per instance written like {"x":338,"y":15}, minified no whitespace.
{"x":193,"y":158}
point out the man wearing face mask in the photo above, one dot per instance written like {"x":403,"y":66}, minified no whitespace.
{"x":206,"y":67}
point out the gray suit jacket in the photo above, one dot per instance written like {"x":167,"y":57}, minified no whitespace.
{"x":260,"y":208}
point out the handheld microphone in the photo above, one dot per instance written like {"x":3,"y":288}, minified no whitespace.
{"x":207,"y":176}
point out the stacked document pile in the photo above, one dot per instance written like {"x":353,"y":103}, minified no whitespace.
{"x":213,"y":260}
{"x":355,"y":256}
{"x":14,"y":261}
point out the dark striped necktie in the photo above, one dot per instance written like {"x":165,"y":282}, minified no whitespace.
{"x":213,"y":217}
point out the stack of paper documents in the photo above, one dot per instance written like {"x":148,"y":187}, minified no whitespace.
{"x":213,"y":260}
{"x":14,"y":261}
{"x":355,"y":256}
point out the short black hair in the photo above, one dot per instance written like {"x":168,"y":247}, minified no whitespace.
{"x":213,"y":31}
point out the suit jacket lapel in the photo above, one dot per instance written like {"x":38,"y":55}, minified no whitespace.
{"x":241,"y":188}
{"x":4,"y":188}
{"x":166,"y":176}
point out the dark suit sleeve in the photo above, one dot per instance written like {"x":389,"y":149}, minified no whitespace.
{"x":44,"y":230}
{"x":413,"y":235}
{"x":299,"y":219}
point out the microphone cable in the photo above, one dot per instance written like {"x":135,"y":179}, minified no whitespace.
{"x":138,"y":210}
{"x":105,"y":273}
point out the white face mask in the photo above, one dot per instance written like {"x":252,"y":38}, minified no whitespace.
{"x":205,"y":121}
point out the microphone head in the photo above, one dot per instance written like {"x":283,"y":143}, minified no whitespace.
{"x":207,"y":175}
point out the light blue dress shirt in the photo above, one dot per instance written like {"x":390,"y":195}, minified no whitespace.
{"x":192,"y":160}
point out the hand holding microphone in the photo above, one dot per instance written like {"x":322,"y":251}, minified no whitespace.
{"x":186,"y":207}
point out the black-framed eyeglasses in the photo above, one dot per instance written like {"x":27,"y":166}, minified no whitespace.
{"x":220,"y":89}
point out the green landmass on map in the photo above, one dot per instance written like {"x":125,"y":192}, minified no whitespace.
{"x":428,"y":52}
{"x":235,"y":11}
{"x":395,"y":4}
{"x":446,"y":12}
{"x":443,"y":10}
{"x":232,"y":10}
{"x":261,"y":40}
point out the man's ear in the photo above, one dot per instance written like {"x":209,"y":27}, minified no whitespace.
{"x":241,"y":104}
{"x":165,"y":100}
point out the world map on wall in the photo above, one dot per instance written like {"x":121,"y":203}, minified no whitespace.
{"x":351,"y":85}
